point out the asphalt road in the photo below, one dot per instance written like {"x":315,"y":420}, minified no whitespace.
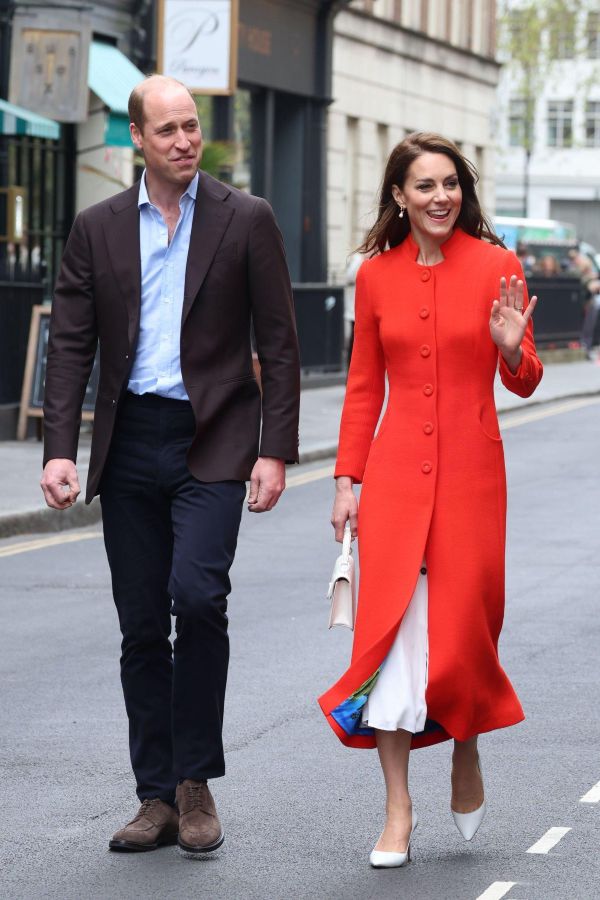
{"x":301,"y":813}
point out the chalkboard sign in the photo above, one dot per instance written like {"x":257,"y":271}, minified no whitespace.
{"x":34,"y":379}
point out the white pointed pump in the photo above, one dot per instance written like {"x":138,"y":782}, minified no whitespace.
{"x":468,"y":823}
{"x":384,"y":859}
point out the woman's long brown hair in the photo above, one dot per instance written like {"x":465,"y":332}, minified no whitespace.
{"x":389,"y":230}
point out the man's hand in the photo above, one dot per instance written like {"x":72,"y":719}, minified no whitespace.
{"x":267,"y":483}
{"x":60,"y":483}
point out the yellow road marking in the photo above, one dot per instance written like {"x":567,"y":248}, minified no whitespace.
{"x":307,"y":477}
{"x":514,"y":420}
{"x":41,"y":543}
{"x":535,"y":415}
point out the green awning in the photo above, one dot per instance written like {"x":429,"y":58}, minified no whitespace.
{"x":16,"y":120}
{"x":112,"y":77}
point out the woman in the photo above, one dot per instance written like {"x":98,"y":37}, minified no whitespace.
{"x":439,"y":306}
{"x":548,"y":266}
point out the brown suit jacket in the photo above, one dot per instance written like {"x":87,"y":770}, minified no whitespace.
{"x":236,"y":273}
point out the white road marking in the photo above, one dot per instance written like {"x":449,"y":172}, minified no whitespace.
{"x":41,"y":543}
{"x":592,"y":796}
{"x":548,"y":840}
{"x":497,"y":890}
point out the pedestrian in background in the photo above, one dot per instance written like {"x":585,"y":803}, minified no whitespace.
{"x":583,"y":267}
{"x":354,"y":263}
{"x":548,"y":266}
{"x":167,"y":276}
{"x":439,"y":306}
{"x":525,"y":257}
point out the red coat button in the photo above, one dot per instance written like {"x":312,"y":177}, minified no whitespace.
{"x":425,"y":350}
{"x":428,"y":427}
{"x":424,"y":312}
{"x":425,"y":275}
{"x":426,"y":467}
{"x":428,"y":390}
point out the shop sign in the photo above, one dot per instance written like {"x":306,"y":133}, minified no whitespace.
{"x":49,"y":65}
{"x":278,"y":45}
{"x":197,"y":43}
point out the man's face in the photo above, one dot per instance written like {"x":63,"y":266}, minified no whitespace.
{"x":171,"y":140}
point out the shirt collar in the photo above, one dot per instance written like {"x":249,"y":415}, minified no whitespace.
{"x":143,"y":197}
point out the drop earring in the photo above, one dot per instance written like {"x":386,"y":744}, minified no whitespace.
{"x":401,"y":213}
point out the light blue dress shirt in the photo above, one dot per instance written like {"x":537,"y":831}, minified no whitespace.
{"x":157,"y":365}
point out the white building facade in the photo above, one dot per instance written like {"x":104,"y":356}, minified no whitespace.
{"x":401,"y":66}
{"x":561,"y":177}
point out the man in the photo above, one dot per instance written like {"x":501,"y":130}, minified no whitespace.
{"x":168,"y":276}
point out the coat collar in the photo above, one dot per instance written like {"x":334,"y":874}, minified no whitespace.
{"x":212,"y":215}
{"x":457,"y":239}
{"x":122,"y":235}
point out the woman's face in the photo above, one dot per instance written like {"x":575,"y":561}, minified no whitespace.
{"x":432,"y":196}
{"x":549,"y":265}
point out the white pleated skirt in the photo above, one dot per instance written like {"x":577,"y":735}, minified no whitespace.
{"x":398,"y":698}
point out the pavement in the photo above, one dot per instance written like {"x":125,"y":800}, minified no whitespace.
{"x":22,"y":508}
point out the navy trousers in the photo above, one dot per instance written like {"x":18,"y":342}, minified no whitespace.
{"x":170,"y":541}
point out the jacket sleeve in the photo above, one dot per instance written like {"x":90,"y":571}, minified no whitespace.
{"x":524,"y":381}
{"x":71,"y":347}
{"x":365,"y":390}
{"x":275,"y":331}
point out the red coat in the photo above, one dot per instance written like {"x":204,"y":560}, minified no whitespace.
{"x":434,"y":483}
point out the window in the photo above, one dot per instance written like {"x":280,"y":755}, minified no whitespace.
{"x":516,"y":121}
{"x":42,"y":167}
{"x":592,"y":123}
{"x":562,"y":36}
{"x":383,"y":141}
{"x":521,"y":23}
{"x":351,"y":182}
{"x":592,"y":34}
{"x":560,"y":123}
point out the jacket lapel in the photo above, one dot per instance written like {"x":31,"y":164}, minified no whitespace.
{"x":122,"y":234}
{"x":211,"y":218}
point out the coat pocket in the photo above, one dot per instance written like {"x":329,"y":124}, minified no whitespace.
{"x":248,"y":377}
{"x":488,"y":422}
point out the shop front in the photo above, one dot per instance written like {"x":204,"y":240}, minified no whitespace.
{"x":277,"y":120}
{"x":64,"y":144}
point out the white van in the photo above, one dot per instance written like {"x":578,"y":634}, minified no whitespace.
{"x":547,"y":232}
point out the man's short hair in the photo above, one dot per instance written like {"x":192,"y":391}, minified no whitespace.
{"x":135,"y":105}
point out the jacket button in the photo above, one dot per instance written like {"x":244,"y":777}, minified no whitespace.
{"x":426,"y":467}
{"x":425,"y":275}
{"x":423,"y":570}
{"x":428,"y":427}
{"x":127,"y":356}
{"x":428,"y":390}
{"x":425,"y":350}
{"x":424,"y":312}
{"x":113,"y":402}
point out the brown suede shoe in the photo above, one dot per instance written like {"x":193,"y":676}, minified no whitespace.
{"x":155,"y":825}
{"x":199,"y":827}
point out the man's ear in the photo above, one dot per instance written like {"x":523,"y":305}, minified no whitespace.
{"x":136,"y":137}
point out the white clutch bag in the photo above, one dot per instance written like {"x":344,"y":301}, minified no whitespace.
{"x":342,"y":587}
